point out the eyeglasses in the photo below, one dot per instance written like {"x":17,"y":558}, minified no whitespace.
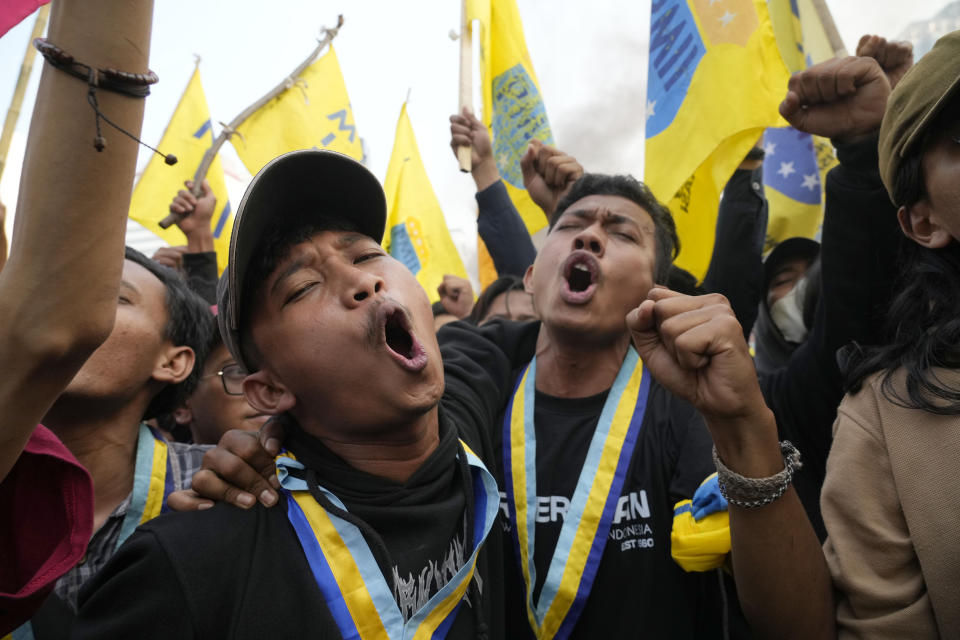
{"x":231,"y":376}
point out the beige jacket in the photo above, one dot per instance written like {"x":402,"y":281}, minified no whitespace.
{"x":891,"y":503}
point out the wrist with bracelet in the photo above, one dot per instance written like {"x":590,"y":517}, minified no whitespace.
{"x":134,"y":85}
{"x":750,"y":493}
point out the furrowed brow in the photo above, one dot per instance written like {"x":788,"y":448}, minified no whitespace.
{"x":288,"y":271}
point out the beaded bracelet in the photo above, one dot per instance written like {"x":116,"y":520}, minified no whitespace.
{"x":757,"y":492}
{"x":135,"y":85}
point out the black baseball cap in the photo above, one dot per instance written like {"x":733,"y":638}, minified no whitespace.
{"x":297,"y":189}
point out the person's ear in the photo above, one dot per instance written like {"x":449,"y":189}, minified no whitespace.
{"x":174,"y":365}
{"x":922,"y":226}
{"x":528,"y":280}
{"x":182,"y":415}
{"x":266,"y":394}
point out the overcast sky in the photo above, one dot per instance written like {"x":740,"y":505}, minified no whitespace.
{"x":590,"y":59}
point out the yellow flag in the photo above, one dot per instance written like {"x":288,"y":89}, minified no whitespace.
{"x":715,"y":81}
{"x":314,"y":113}
{"x":188,"y":136}
{"x":417,"y":233}
{"x":796,"y":163}
{"x":513,"y":107}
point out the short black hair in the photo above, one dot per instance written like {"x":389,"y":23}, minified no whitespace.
{"x":273,"y":249}
{"x":498,"y":287}
{"x":665,"y":230}
{"x":188,"y":325}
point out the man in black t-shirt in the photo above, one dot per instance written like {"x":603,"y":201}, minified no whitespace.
{"x":609,"y":243}
{"x":385,"y":508}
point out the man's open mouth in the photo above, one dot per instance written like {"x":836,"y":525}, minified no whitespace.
{"x":399,"y":338}
{"x":580,"y":274}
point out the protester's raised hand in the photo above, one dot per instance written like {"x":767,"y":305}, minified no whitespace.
{"x":467,"y":131}
{"x":456,"y":295}
{"x":239,"y":470}
{"x":843,"y":98}
{"x":694,"y":346}
{"x":195,"y":212}
{"x":171,"y":256}
{"x":548,"y":173}
{"x":895,"y":58}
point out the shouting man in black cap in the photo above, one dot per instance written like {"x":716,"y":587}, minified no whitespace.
{"x":385,"y":508}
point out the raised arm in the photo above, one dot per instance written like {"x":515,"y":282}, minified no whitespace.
{"x":200,"y":258}
{"x":859,"y":249}
{"x":59,"y":286}
{"x":695,"y":348}
{"x":498,"y":222}
{"x":736,"y":266}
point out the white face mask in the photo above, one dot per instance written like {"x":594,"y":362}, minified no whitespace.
{"x":787,"y":313}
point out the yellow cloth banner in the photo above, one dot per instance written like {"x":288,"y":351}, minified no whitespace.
{"x":188,"y":136}
{"x":796,"y":164}
{"x":715,"y":81}
{"x":314,"y":113}
{"x":417,"y":233}
{"x":513,"y":107}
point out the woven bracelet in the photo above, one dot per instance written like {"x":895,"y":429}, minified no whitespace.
{"x":757,"y":492}
{"x":135,"y":85}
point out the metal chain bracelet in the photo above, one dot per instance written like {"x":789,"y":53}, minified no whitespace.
{"x":750,"y":493}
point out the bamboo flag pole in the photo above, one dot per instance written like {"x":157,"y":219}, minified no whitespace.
{"x":466,"y":80}
{"x":231,"y":128}
{"x":13,"y":113}
{"x":826,"y":19}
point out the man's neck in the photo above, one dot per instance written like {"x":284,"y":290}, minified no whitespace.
{"x":395,"y":457}
{"x":571,"y":368}
{"x":105,"y":444}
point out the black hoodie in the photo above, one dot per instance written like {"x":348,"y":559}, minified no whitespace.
{"x":226,"y":572}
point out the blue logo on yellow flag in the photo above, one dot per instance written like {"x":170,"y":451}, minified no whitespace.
{"x":518,"y":117}
{"x":675,"y":51}
{"x":790,"y":164}
{"x":401,"y":248}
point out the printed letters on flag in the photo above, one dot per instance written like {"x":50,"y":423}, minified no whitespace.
{"x":417,"y":233}
{"x":715,"y":81}
{"x":314,"y":113}
{"x":188,"y":136}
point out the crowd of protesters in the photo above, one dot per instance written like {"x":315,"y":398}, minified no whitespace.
{"x":588,"y":448}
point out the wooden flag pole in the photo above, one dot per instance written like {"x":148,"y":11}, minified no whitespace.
{"x":826,"y":19}
{"x":13,"y":113}
{"x":466,"y":81}
{"x":231,"y":128}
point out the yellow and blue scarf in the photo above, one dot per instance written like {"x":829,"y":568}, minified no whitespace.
{"x":352,"y":584}
{"x":152,"y":483}
{"x":583,"y":535}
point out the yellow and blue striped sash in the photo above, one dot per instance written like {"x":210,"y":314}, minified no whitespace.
{"x":152,"y":483}
{"x":583,"y":535}
{"x":353,"y":586}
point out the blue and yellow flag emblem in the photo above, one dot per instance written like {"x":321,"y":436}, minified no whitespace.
{"x":715,"y":81}
{"x":513,"y":107}
{"x":796,"y":163}
{"x":417,"y":233}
